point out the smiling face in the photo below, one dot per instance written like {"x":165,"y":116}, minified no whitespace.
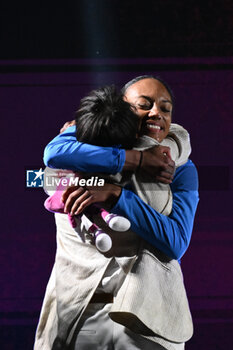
{"x":153,"y":105}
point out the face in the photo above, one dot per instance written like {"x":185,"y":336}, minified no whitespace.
{"x":153,"y":105}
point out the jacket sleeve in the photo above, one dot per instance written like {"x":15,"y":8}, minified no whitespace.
{"x":65,"y":152}
{"x":171,"y":234}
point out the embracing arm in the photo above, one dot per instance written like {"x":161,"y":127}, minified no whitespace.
{"x":65,"y":152}
{"x":171,"y":234}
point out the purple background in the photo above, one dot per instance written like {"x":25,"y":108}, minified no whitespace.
{"x":36,"y":98}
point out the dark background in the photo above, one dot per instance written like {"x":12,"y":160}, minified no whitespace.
{"x":102,"y":28}
{"x":50,"y":56}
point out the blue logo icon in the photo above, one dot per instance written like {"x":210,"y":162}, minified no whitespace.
{"x":35,"y":178}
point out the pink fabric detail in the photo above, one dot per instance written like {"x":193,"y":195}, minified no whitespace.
{"x":103,"y":213}
{"x":54,"y":203}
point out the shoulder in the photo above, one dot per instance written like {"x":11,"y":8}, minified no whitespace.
{"x":186,"y":177}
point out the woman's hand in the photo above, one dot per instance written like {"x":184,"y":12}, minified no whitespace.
{"x":66,"y":125}
{"x":77,"y":198}
{"x":156,"y":162}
